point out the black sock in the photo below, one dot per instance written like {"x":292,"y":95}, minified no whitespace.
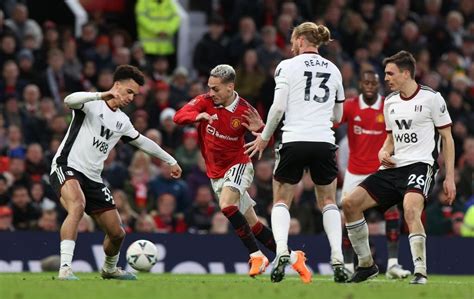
{"x":264,"y":235}
{"x":392,"y":230}
{"x":347,"y":250}
{"x":241,"y":227}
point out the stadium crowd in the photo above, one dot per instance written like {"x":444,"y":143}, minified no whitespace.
{"x":42,"y":63}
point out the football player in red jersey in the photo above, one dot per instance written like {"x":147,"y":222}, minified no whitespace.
{"x":223,"y":119}
{"x":366,"y":135}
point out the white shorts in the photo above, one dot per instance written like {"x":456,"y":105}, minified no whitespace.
{"x":350,"y":182}
{"x":239,"y":176}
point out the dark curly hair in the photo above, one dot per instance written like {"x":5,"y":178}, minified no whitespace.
{"x":125,"y":72}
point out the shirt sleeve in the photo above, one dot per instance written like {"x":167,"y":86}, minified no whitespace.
{"x":188,"y":113}
{"x":340,"y":96}
{"x":440,"y":112}
{"x":388,"y":127}
{"x":281,"y":76}
{"x":130,"y":133}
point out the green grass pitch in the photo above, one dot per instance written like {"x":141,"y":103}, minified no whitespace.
{"x":91,"y":286}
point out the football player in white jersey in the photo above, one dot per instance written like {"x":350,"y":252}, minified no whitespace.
{"x":310,"y":93}
{"x":415,"y":118}
{"x":96,"y":127}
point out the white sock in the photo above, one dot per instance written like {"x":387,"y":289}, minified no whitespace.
{"x":67,"y":252}
{"x":332,"y":226}
{"x":257,"y":253}
{"x":392,"y":261}
{"x":358,"y":232}
{"x":110,"y":263}
{"x":293,"y":257}
{"x":280,"y":226}
{"x":349,"y":267}
{"x":418,"y":252}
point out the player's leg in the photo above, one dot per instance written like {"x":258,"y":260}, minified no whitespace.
{"x":351,"y":181}
{"x":392,"y":231}
{"x":109,"y":221}
{"x":413,"y":204}
{"x":68,"y":189}
{"x":283,"y":194}
{"x":354,"y":205}
{"x":326,"y":198}
{"x":265,"y":236}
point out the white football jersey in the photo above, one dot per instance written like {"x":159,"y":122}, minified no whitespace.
{"x":315,"y":84}
{"x":413,"y":123}
{"x":94,"y":130}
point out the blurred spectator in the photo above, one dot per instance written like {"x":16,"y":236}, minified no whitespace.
{"x":195,"y":88}
{"x":115,"y":172}
{"x":465,"y":186}
{"x":4,"y":196}
{"x":249,"y":77}
{"x":86,"y":43}
{"x":179,"y":87}
{"x":212,"y":49}
{"x":187,"y":154}
{"x":15,"y":146}
{"x":16,"y":174}
{"x":140,"y":120}
{"x":295,"y":227}
{"x":439,"y":214}
{"x":48,"y":221}
{"x":103,"y":53}
{"x":25,"y":215}
{"x":36,"y":166}
{"x":164,"y":183}
{"x":28,"y":72}
{"x":197,"y":176}
{"x":13,"y":114}
{"x":157,"y":24}
{"x":454,"y":23}
{"x":219,"y":224}
{"x":166,"y":217}
{"x":467,"y":229}
{"x":284,"y":28}
{"x":86,"y":224}
{"x":304,"y":207}
{"x":10,"y":84}
{"x":127,"y":214}
{"x":246,"y":38}
{"x":72,"y":65}
{"x":105,"y":80}
{"x":145,"y":224}
{"x":39,"y":199}
{"x":160,"y":69}
{"x":121,"y":56}
{"x":141,"y":172}
{"x":172,"y":134}
{"x":6,"y":219}
{"x":22,"y":25}
{"x":199,"y":216}
{"x":268,"y":52}
{"x":138,"y":56}
{"x":7,"y":48}
{"x":55,"y":82}
{"x":263,"y":182}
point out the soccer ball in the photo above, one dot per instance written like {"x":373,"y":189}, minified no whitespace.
{"x":142,"y":255}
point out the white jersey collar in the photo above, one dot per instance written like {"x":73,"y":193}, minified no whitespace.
{"x":375,"y":106}
{"x":233,"y":105}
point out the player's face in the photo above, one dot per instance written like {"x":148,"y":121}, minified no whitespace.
{"x":220,"y":92}
{"x":127,"y":89}
{"x":295,"y":45}
{"x":395,"y":77}
{"x":369,"y":85}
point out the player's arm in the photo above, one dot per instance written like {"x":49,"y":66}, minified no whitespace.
{"x":449,"y":185}
{"x":76,"y":100}
{"x":192,"y":112}
{"x":153,"y":149}
{"x":386,"y":152}
{"x":338,"y":109}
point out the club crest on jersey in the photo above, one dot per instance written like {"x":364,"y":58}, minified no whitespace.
{"x":418,"y":108}
{"x":119,"y":125}
{"x":235,"y":123}
{"x":379,"y":118}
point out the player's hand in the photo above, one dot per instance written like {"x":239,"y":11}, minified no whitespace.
{"x":386,"y":159}
{"x":206,"y":116}
{"x":254,"y":121}
{"x":175,"y":171}
{"x":113,"y":94}
{"x":449,"y":188}
{"x":256,"y":146}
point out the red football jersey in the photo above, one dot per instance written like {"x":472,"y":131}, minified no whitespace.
{"x":222,"y":142}
{"x":365,"y":132}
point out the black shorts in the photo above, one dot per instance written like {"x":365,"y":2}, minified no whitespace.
{"x":293,"y":158}
{"x":389,"y":186}
{"x":98,"y":196}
